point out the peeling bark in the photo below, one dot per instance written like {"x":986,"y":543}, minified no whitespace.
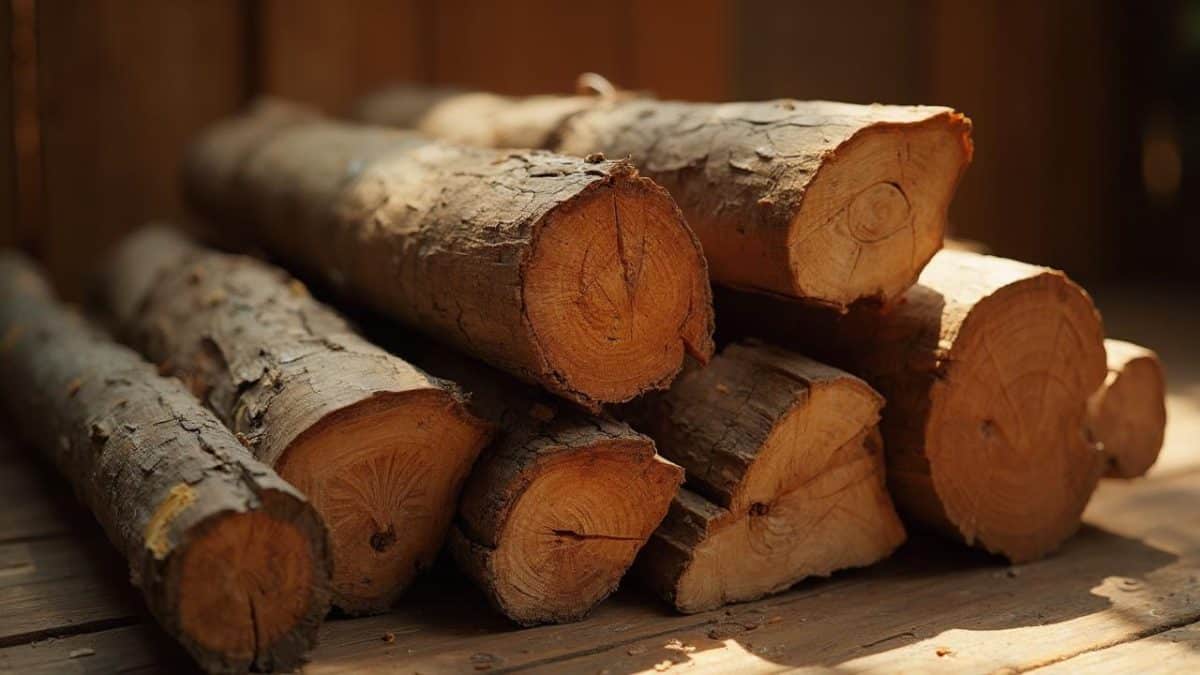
{"x":381,"y":448}
{"x":231,"y":560}
{"x":987,"y":365}
{"x":579,"y":276}
{"x":785,"y":478}
{"x":557,"y":508}
{"x":828,"y":202}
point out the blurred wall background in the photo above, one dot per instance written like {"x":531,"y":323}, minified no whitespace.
{"x":1087,"y":112}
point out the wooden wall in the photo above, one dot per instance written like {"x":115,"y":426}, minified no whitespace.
{"x":121,"y":85}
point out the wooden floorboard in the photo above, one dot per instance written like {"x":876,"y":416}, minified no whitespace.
{"x":1172,"y":651}
{"x":61,"y":586}
{"x":129,"y":649}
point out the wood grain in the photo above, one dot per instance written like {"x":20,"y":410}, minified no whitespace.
{"x":529,"y":46}
{"x":1132,"y":573}
{"x":329,"y":54}
{"x":1173,"y":651}
{"x":62,"y":586}
{"x":8,"y":152}
{"x":681,"y":49}
{"x":123,"y":86}
{"x":128,"y":649}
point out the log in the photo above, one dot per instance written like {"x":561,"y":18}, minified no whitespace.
{"x":1127,"y":416}
{"x":785,"y":477}
{"x":576,"y":275}
{"x":232,"y":561}
{"x":559,"y":505}
{"x":987,"y":365}
{"x":829,"y":202}
{"x":380,"y":448}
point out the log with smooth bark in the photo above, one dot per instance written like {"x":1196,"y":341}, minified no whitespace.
{"x":380,"y":448}
{"x":232,"y":561}
{"x":559,"y":505}
{"x":577,"y":275}
{"x":830,"y":202}
{"x":987,"y":366}
{"x":1128,"y":414}
{"x":785,"y":477}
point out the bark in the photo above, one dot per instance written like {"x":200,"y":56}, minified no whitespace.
{"x":558,"y":506}
{"x":232,"y":561}
{"x":381,"y":448}
{"x":1128,"y":414}
{"x":579,"y":276}
{"x":785,"y":477}
{"x":987,"y":365}
{"x":828,"y":202}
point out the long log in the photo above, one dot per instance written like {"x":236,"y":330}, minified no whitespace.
{"x":576,"y":275}
{"x":987,"y":366}
{"x":231,"y":560}
{"x":380,"y":448}
{"x":1128,"y":414}
{"x":785,"y":477}
{"x":557,"y":508}
{"x":829,"y":202}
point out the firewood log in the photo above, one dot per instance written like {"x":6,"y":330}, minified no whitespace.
{"x":232,"y":561}
{"x":380,"y":448}
{"x":785,"y":477}
{"x":830,"y":202}
{"x":556,"y":509}
{"x":1128,"y":414}
{"x":987,"y":366}
{"x":574,"y":274}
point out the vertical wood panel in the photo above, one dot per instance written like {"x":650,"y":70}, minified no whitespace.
{"x":1036,"y":79}
{"x":28,"y":193}
{"x":124,"y":86}
{"x":8,"y":156}
{"x":331,"y":53}
{"x":682,"y":49}
{"x":530,"y":46}
{"x":862,"y":51}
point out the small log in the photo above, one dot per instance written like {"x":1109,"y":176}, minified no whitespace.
{"x":829,"y":202}
{"x":380,"y":448}
{"x":576,"y":275}
{"x":785,"y":478}
{"x":231,"y":560}
{"x":1128,"y":414}
{"x":987,"y":365}
{"x":559,"y":505}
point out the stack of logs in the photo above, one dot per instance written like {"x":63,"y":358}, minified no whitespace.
{"x":550,"y":404}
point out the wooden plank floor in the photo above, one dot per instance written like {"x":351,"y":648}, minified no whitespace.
{"x":1122,"y":596}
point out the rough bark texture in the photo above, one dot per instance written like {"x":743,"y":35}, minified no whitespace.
{"x":232,"y":561}
{"x":829,"y":202}
{"x":556,"y":509}
{"x":987,"y":365}
{"x":1127,"y":416}
{"x":381,"y":448}
{"x":576,"y":275}
{"x":785,"y":477}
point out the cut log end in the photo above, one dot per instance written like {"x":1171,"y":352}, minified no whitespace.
{"x":385,"y":474}
{"x":814,"y":502}
{"x":570,"y":537}
{"x":1007,"y":456}
{"x":1127,"y":416}
{"x":616,"y":292}
{"x":250,"y":585}
{"x":875,"y":213}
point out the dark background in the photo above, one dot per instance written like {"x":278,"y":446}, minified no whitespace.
{"x":1087,"y":113}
